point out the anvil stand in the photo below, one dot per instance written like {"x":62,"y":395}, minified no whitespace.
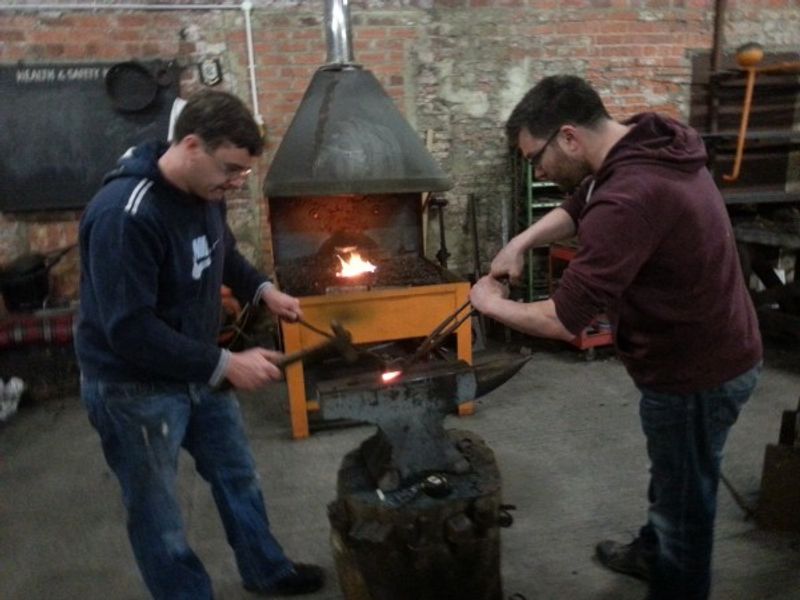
{"x":410,"y":545}
{"x":418,"y":508}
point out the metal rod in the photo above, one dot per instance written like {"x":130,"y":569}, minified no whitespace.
{"x":529,"y":217}
{"x":443,"y":254}
{"x":749,"y":511}
{"x":447,"y":319}
{"x":316,"y":330}
{"x":748,"y":98}
{"x":433,"y":343}
{"x":247,"y":9}
{"x":98,"y":7}
{"x":438,"y":335}
{"x":712,"y":100}
{"x":720,"y":8}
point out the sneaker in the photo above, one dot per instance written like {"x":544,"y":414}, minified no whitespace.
{"x":631,"y":559}
{"x":302,"y":579}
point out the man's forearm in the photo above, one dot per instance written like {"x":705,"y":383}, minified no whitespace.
{"x":554,"y":226}
{"x":534,"y":318}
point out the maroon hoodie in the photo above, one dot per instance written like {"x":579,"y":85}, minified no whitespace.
{"x":657,"y":253}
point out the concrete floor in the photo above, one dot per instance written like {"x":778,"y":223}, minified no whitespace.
{"x":566,"y":436}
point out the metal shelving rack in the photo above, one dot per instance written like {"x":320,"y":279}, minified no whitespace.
{"x":539,"y":198}
{"x":544,"y":263}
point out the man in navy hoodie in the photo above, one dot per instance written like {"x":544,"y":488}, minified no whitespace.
{"x":657,"y":254}
{"x":155,"y":251}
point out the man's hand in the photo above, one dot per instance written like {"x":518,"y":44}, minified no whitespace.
{"x":283,"y":305}
{"x":509,"y":263}
{"x":253,"y":368}
{"x":485,"y":290}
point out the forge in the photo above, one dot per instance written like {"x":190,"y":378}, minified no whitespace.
{"x":351,"y":175}
{"x":403,"y":296}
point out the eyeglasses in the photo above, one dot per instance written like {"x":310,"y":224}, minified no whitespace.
{"x":231,"y":171}
{"x":535,"y":158}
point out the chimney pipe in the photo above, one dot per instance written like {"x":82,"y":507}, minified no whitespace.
{"x":339,"y":35}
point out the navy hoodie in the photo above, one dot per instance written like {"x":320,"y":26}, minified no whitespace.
{"x":153,"y":259}
{"x":657,"y":252}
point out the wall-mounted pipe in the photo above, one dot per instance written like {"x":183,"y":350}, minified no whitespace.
{"x":720,"y":8}
{"x":99,"y":7}
{"x":246,"y":7}
{"x":712,"y":101}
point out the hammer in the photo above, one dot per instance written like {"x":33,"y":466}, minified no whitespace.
{"x":340,"y":341}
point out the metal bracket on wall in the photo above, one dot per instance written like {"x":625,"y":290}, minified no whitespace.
{"x":210,"y":71}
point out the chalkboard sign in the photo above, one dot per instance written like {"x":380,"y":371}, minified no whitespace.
{"x":60,"y":134}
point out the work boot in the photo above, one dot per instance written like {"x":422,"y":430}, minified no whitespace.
{"x":302,"y":579}
{"x":631,"y":559}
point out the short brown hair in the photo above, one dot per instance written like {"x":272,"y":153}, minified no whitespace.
{"x":218,"y":117}
{"x":555,"y":101}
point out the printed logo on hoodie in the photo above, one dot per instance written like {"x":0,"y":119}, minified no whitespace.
{"x":202,"y":256}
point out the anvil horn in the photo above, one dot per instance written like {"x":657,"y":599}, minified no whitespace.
{"x":495,"y":372}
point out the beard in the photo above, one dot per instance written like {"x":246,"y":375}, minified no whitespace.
{"x":569,"y":172}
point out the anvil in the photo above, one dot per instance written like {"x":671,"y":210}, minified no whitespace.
{"x":409,"y":411}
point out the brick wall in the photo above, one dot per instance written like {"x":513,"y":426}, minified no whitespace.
{"x":454,"y":67}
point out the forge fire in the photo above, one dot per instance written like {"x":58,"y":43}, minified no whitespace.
{"x":318,"y":275}
{"x":352,"y":265}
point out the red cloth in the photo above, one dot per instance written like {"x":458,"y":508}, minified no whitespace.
{"x":29,"y":329}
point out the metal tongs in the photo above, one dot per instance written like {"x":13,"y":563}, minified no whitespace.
{"x":440,"y":333}
{"x":429,"y":344}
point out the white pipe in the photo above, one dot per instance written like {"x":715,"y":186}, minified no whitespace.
{"x":247,"y":8}
{"x":86,"y":6}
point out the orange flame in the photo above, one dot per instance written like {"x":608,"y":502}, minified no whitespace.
{"x":389,"y":376}
{"x":353,"y":265}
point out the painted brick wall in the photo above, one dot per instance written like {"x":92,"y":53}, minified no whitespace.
{"x":454,"y":67}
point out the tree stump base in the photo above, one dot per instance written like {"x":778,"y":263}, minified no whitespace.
{"x":435,"y":539}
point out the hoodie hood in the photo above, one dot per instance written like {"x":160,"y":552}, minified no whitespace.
{"x":139,"y":161}
{"x":656,"y":140}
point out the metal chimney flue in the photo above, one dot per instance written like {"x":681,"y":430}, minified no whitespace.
{"x":339,"y":36}
{"x":347,"y":136}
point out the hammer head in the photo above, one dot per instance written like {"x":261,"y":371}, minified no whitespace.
{"x":343,"y":342}
{"x":340,"y":342}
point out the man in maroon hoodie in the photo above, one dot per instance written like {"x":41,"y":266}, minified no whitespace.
{"x":657,"y":254}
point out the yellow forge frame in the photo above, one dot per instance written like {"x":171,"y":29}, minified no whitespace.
{"x":372,"y":317}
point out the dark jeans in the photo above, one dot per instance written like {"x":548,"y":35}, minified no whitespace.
{"x":685,"y":438}
{"x":142,"y":428}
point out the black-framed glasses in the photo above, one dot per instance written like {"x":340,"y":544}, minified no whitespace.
{"x":231,"y":171}
{"x":535,"y":158}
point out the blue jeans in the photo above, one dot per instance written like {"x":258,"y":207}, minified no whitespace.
{"x":142,"y":428}
{"x":685,"y":437}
